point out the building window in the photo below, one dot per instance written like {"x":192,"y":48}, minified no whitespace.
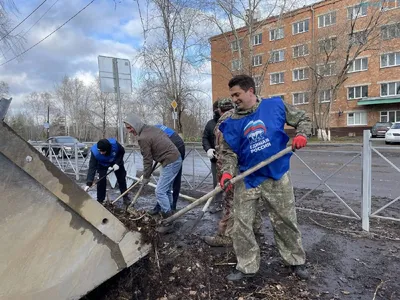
{"x":236,"y":65}
{"x":276,"y":34}
{"x":357,"y":11}
{"x":357,"y":92}
{"x":391,"y":31}
{"x":390,"y":89}
{"x":300,"y":50}
{"x":327,"y":19}
{"x":326,"y":70}
{"x":300,"y":98}
{"x":300,"y":74}
{"x":325,"y":96}
{"x":257,"y":60}
{"x":356,"y":118}
{"x":276,"y":78}
{"x":327,"y":45}
{"x":235,"y":45}
{"x":390,"y":59}
{"x":257,"y":39}
{"x":389,"y":4}
{"x":301,"y":27}
{"x":390,"y":116}
{"x":257,"y":81}
{"x":358,"y":65}
{"x":358,"y":38}
{"x":277,"y":56}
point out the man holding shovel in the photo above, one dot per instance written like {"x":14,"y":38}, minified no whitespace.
{"x":156,"y":146}
{"x":252,"y":134}
{"x":107,"y":155}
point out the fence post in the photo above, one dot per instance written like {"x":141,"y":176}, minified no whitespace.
{"x":366,"y":180}
{"x":76,"y":162}
{"x":193,"y":164}
{"x":50,"y":153}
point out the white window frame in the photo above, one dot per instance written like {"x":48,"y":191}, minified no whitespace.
{"x":396,"y":59}
{"x":386,"y":4}
{"x":302,"y":49}
{"x":281,"y":78}
{"x":396,"y":114}
{"x":300,"y":74}
{"x":331,"y":68}
{"x":324,"y":98}
{"x":281,"y":55}
{"x":296,"y":26}
{"x":239,"y":65}
{"x":257,"y":80}
{"x":305,"y":98}
{"x":330,"y":41}
{"x":396,"y":85}
{"x":355,"y":87}
{"x":257,"y":60}
{"x":257,"y":39}
{"x":327,"y":19}
{"x":276,"y":34}
{"x":353,"y":65}
{"x":357,"y":11}
{"x":361,"y":122}
{"x":238,"y":45}
{"x":395,"y":28}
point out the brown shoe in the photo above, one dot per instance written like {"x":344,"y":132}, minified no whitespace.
{"x":218,"y":241}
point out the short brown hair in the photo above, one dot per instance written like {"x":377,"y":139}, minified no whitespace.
{"x":244,"y":82}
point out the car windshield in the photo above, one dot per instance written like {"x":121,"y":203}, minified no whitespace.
{"x":66,"y":139}
{"x":396,"y":126}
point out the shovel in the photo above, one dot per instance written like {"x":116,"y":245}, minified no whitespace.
{"x":191,"y":227}
{"x":108,"y":173}
{"x":140,"y":190}
{"x":234,"y":180}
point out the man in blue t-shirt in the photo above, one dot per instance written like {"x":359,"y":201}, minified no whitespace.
{"x":107,"y":155}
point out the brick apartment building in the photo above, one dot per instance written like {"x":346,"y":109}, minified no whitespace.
{"x":300,"y":55}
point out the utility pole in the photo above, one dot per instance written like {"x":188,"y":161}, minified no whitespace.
{"x":48,"y":121}
{"x":118,"y":92}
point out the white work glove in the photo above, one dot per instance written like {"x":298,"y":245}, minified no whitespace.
{"x":211,"y":153}
{"x":113,"y":168}
{"x":86,"y":188}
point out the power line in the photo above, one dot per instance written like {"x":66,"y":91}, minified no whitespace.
{"x":23,"y":34}
{"x":22,"y":21}
{"x":59,"y":27}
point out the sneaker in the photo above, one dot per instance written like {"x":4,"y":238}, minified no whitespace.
{"x":218,"y":241}
{"x":301,"y":272}
{"x":126,"y":199}
{"x":237,"y":275}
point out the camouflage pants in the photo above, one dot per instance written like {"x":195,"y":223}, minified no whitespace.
{"x":225,"y":225}
{"x":278,"y":196}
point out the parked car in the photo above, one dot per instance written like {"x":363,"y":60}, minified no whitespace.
{"x":66,"y":142}
{"x":393,"y":134}
{"x":380,"y":128}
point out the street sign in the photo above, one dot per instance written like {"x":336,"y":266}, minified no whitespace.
{"x":46,"y":125}
{"x":110,"y":71}
{"x":174,"y":104}
{"x":174,"y":115}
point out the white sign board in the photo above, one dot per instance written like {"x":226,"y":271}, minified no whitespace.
{"x":108,"y":71}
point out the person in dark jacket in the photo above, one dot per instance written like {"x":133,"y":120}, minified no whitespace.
{"x":107,"y":155}
{"x":208,"y":142}
{"x":176,"y":186}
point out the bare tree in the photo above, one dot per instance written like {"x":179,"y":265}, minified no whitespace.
{"x":335,"y":53}
{"x":9,"y":40}
{"x":169,"y":53}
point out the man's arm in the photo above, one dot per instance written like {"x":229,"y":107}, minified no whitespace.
{"x":119,"y":158}
{"x":297,"y":118}
{"x":92,"y":170}
{"x":228,"y":158}
{"x":145,"y":149}
{"x":206,"y":138}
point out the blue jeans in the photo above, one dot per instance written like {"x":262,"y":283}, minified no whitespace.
{"x":164,"y":185}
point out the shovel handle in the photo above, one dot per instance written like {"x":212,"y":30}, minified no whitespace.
{"x":232,"y":181}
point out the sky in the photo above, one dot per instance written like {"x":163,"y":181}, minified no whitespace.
{"x":104,"y":28}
